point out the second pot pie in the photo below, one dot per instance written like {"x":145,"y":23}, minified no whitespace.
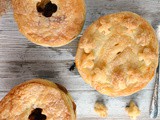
{"x":118,"y":54}
{"x":50,"y":23}
{"x":38,"y":99}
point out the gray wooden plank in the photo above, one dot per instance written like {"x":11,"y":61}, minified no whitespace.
{"x":17,"y":47}
{"x":17,"y":44}
{"x":21,"y":60}
{"x":85,"y":103}
{"x":149,"y":9}
{"x":116,"y":106}
{"x":15,"y":72}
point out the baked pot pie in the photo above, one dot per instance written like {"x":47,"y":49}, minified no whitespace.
{"x":118,"y":54}
{"x":38,"y":99}
{"x":50,"y":23}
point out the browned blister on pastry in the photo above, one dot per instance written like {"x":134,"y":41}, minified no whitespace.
{"x":38,"y":99}
{"x":50,"y":23}
{"x":118,"y":54}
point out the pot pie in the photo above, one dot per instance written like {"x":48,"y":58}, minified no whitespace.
{"x":38,"y":99}
{"x":50,"y":23}
{"x":118,"y":54}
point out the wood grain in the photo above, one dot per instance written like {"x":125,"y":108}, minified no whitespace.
{"x":21,"y":60}
{"x":116,"y":106}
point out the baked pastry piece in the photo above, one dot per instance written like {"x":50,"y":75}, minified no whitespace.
{"x":101,"y":109}
{"x":38,"y":100}
{"x":118,"y":54}
{"x":50,"y":23}
{"x":133,"y":110}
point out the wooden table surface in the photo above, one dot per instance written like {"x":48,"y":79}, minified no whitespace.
{"x":21,"y":60}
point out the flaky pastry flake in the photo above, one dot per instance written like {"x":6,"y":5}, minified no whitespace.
{"x":100,"y":109}
{"x":133,"y":110}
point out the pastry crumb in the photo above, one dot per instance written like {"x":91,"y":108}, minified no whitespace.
{"x":133,"y":110}
{"x":100,"y":109}
{"x":4,"y":5}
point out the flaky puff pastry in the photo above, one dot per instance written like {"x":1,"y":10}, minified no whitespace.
{"x":24,"y":100}
{"x":118,"y":54}
{"x":36,"y":22}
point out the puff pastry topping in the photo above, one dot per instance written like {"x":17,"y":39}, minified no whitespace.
{"x":118,"y":54}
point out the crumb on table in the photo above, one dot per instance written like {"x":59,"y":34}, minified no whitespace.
{"x":133,"y":110}
{"x":100,"y":109}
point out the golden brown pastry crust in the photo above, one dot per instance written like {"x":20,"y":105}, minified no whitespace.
{"x":59,"y":29}
{"x":38,"y":93}
{"x":118,"y":54}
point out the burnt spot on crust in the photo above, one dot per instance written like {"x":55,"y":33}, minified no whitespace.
{"x":49,"y":9}
{"x":74,"y":107}
{"x":36,"y":114}
{"x":46,"y":8}
{"x":39,"y":9}
{"x":72,"y":67}
{"x":62,"y":88}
